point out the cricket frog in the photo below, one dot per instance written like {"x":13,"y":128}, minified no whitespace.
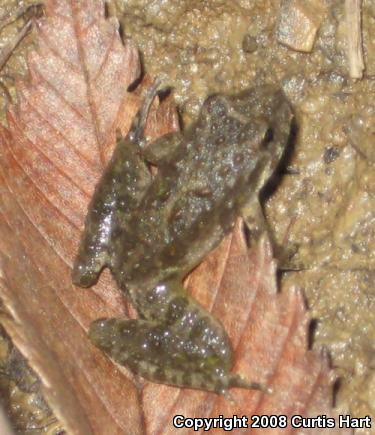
{"x":151,"y":231}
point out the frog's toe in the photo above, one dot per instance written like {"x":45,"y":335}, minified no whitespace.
{"x":237,"y":381}
{"x":84,"y":276}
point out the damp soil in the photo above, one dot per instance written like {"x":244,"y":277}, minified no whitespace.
{"x":322,"y":211}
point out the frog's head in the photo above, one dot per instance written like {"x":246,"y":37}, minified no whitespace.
{"x":267,"y":113}
{"x":256,"y":123}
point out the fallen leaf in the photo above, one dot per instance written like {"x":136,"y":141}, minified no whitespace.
{"x":59,"y":138}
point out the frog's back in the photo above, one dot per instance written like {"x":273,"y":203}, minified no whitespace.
{"x":199,"y":191}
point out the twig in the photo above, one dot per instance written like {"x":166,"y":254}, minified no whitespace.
{"x":10,"y":47}
{"x":25,"y":12}
{"x":354,"y":35}
{"x":29,"y":14}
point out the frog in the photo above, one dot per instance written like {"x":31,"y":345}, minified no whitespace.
{"x":151,"y":230}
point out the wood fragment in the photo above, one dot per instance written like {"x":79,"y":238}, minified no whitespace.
{"x":354,"y":35}
{"x":298,"y":24}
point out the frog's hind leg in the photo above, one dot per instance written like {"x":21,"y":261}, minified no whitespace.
{"x":156,"y":353}
{"x":177,"y":342}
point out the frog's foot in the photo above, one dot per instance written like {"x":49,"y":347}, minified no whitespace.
{"x":287,"y":259}
{"x":137,"y":128}
{"x":255,"y":222}
{"x":155,"y":352}
{"x":87,"y":267}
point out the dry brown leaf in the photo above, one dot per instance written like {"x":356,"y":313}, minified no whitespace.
{"x":58,"y":141}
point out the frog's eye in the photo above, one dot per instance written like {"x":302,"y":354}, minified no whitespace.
{"x":268,"y":137}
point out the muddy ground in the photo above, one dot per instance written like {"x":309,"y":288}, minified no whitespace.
{"x":322,"y":211}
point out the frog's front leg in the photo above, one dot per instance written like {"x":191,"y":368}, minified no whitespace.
{"x":158,"y":151}
{"x":177,"y":342}
{"x":116,"y":196}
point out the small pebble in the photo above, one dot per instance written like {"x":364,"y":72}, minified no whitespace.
{"x":249,"y":44}
{"x":331,"y":154}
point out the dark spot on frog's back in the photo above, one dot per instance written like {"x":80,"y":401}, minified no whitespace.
{"x":220,"y":140}
{"x":238,"y":158}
